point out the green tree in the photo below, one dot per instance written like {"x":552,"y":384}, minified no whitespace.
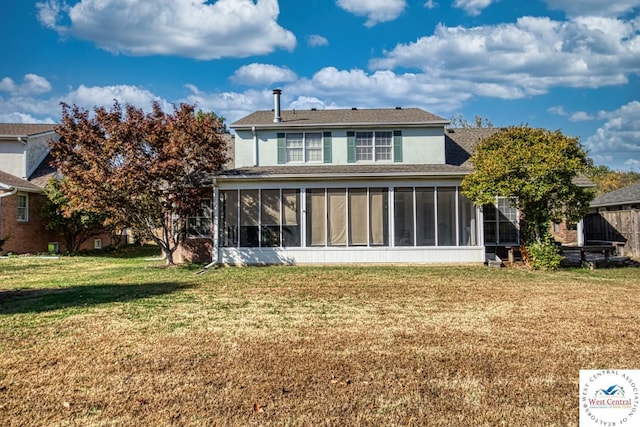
{"x":608,"y":180}
{"x":76,"y":225}
{"x":534,"y":168}
{"x":142,"y":170}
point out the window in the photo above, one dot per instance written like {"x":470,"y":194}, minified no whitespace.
{"x":97,"y":243}
{"x":304,"y":147}
{"x":23,"y":207}
{"x":199,"y":225}
{"x":501,"y":223}
{"x":374,"y":146}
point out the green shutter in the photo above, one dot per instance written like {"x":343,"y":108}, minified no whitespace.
{"x":351,"y":147}
{"x":397,"y":146}
{"x":327,"y":146}
{"x":282,"y":149}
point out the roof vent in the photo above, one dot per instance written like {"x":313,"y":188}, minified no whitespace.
{"x":353,"y":108}
{"x":314,"y":109}
{"x":398,"y":108}
{"x":450,"y":130}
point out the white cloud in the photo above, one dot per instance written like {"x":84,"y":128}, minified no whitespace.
{"x":356,"y":86}
{"x":430,"y":4}
{"x":619,"y":137}
{"x":191,"y":28}
{"x":580,"y":116}
{"x":610,"y":8}
{"x":376,"y":11}
{"x":472,"y":7}
{"x":262,"y":74}
{"x":525,"y":58}
{"x":316,"y":40}
{"x":17,"y":117}
{"x":32,"y":84}
{"x":557,"y":110}
{"x":90,"y":96}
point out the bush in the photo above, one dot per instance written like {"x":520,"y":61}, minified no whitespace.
{"x":544,"y":256}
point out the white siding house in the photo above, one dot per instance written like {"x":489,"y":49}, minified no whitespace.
{"x":344,"y":186}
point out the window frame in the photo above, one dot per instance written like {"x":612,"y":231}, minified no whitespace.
{"x":200,"y":219}
{"x":24,"y":209}
{"x":305,"y":148}
{"x":380,"y":139}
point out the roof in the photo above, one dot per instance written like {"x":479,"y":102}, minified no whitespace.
{"x":13,"y":181}
{"x":341,"y":118}
{"x":24,"y":129}
{"x":43,"y":172}
{"x":623,"y":196}
{"x":460,"y":143}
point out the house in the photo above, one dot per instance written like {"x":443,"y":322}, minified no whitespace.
{"x":24,"y":172}
{"x":615,"y":217}
{"x":346,"y":186}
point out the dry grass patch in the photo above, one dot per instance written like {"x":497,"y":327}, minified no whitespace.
{"x":137,"y":345}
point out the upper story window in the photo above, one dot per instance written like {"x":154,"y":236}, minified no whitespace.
{"x":374,"y":146}
{"x":23,"y":207}
{"x":304,"y":147}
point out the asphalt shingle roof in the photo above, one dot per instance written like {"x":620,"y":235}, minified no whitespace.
{"x":19,"y":183}
{"x":22,"y":129}
{"x":626,"y":195}
{"x":340,"y":118}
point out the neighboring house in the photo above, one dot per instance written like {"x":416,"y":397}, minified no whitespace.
{"x":24,"y":172}
{"x":346,"y":186}
{"x":615,"y":217}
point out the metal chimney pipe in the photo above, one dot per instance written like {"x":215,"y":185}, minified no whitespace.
{"x":276,"y":106}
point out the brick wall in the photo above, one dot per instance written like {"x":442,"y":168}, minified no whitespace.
{"x":24,"y":237}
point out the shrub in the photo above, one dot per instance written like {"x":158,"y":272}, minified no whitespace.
{"x":544,"y":256}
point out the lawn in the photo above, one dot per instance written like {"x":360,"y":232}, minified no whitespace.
{"x":111,"y":341}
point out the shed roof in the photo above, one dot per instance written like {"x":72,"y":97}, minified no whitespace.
{"x":623,"y":196}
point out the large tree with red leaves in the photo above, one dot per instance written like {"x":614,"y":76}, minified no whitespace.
{"x":140,"y":169}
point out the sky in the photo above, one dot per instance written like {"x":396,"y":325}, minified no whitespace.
{"x":572,"y":65}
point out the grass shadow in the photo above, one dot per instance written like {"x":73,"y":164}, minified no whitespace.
{"x":42,"y":300}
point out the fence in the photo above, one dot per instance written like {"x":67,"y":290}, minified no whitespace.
{"x":615,"y":226}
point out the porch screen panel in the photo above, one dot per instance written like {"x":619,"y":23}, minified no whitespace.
{"x":425,"y":217}
{"x":270,"y":217}
{"x":229,"y":218}
{"x":358,"y":224}
{"x":249,"y":218}
{"x":446,"y":216}
{"x":403,"y":218}
{"x":316,"y":217}
{"x":337,"y":209}
{"x":290,"y":218}
{"x":378,"y":212}
{"x":467,"y":222}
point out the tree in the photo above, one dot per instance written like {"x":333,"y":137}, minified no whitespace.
{"x":534,"y":169}
{"x":608,"y":180}
{"x":478,"y":122}
{"x":143,"y":170}
{"x":76,"y":225}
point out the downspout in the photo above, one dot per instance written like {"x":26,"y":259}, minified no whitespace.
{"x":256,"y":148}
{"x":25,"y":162}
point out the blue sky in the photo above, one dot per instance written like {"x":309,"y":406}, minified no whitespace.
{"x":572,"y":65}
